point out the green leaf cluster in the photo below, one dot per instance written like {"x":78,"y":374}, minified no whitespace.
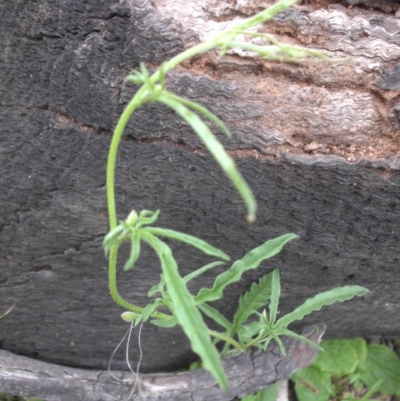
{"x":253,"y":324}
{"x":372,"y":365}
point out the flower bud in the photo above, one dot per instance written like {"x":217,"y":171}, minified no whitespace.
{"x":132,"y":218}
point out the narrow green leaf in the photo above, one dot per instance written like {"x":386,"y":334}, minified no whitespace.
{"x":280,"y":344}
{"x":216,"y":316}
{"x":135,"y":250}
{"x":254,"y":299}
{"x":217,"y":150}
{"x":188,"y":239}
{"x":111,"y":238}
{"x":200,"y":109}
{"x":340,"y":294}
{"x":203,"y":269}
{"x":150,"y":309}
{"x":275,"y":295}
{"x":289,"y":333}
{"x":250,"y":261}
{"x":166,"y":324}
{"x":186,"y":312}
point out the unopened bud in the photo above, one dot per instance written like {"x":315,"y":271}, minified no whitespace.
{"x":132,"y":218}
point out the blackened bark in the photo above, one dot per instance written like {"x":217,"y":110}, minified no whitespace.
{"x":247,"y":373}
{"x":319,"y":145}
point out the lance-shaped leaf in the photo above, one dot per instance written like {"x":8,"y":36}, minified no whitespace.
{"x":188,"y":239}
{"x":250,"y":261}
{"x":135,"y":250}
{"x":165,"y":324}
{"x":202,"y":270}
{"x":217,"y":150}
{"x":149,"y":310}
{"x":340,"y":294}
{"x":254,"y":299}
{"x":216,"y":316}
{"x":111,"y":238}
{"x":186,"y":312}
{"x":275,"y":295}
{"x":200,"y":109}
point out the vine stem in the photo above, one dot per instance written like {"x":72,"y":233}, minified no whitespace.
{"x":227,"y":339}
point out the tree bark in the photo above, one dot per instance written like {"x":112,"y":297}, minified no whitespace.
{"x":318,"y":144}
{"x":247,"y":373}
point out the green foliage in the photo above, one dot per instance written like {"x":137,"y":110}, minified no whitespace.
{"x":374,"y":366}
{"x":269,"y":394}
{"x":251,"y":325}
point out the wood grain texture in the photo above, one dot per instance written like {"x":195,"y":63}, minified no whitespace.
{"x":247,"y":373}
{"x":317,"y":143}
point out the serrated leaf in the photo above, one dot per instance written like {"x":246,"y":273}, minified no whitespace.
{"x":188,"y":239}
{"x":250,"y":261}
{"x":216,"y":316}
{"x":186,"y":312}
{"x":217,"y":150}
{"x":275,"y":295}
{"x":254,"y":299}
{"x":340,"y":294}
{"x":202,"y":270}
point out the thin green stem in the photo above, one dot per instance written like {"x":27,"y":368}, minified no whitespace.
{"x":255,"y":341}
{"x":112,"y":278}
{"x":112,"y":154}
{"x":220,"y":40}
{"x":227,"y":339}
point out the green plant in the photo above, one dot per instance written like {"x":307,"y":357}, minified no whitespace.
{"x":361,"y":364}
{"x":184,"y":308}
{"x":268,"y":394}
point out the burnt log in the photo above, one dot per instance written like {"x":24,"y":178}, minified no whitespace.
{"x":247,"y":373}
{"x":318,"y":144}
